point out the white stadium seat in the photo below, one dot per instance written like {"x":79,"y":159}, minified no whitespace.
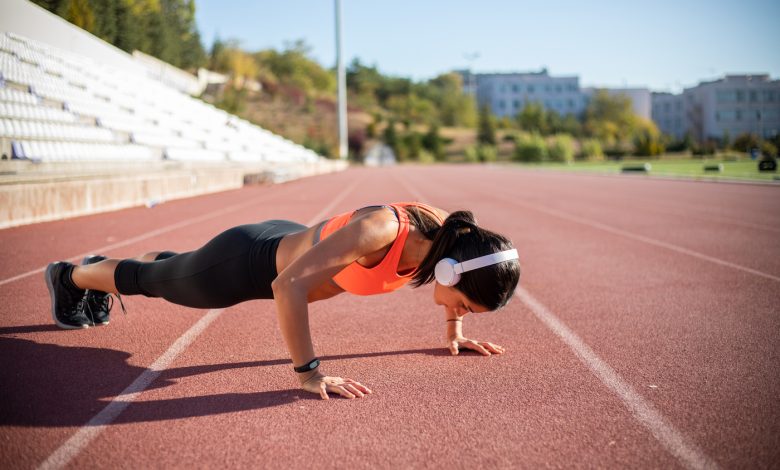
{"x":58,"y":106}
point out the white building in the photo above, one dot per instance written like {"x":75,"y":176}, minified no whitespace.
{"x":507,"y":93}
{"x":668,"y":113}
{"x":733,"y":105}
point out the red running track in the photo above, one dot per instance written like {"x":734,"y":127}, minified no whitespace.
{"x":644,"y":335}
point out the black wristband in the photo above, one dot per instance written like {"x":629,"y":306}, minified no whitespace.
{"x":311,"y":365}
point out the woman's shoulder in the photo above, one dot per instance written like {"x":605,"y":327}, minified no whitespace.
{"x":438,"y":212}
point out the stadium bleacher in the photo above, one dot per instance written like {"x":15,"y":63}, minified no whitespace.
{"x":57,"y":106}
{"x":80,"y":136}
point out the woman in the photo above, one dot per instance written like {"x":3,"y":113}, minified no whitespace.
{"x":372,"y":250}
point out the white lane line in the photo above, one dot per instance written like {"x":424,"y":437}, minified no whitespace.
{"x":670,"y":437}
{"x":170,"y":228}
{"x":76,"y":443}
{"x":417,"y":195}
{"x":70,"y":448}
{"x":648,"y":240}
{"x":321,"y":214}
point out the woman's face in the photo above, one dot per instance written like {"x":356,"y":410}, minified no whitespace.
{"x":455,"y":302}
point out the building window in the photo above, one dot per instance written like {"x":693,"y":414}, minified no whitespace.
{"x":558,"y":88}
{"x":516,"y":104}
{"x":571,"y":103}
{"x":738,"y":115}
{"x":726,"y":96}
{"x":501,"y":105}
{"x":740,"y":96}
{"x":753,"y":96}
{"x":515,"y":88}
{"x":530,"y":88}
{"x":727,"y":115}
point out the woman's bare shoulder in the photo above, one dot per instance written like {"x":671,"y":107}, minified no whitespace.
{"x":440,"y":212}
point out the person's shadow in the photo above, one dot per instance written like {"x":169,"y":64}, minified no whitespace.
{"x":46,"y":385}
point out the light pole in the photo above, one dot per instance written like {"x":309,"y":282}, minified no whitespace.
{"x":342,"y":85}
{"x":472,"y":85}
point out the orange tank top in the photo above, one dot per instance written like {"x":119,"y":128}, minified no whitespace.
{"x":384,"y":277}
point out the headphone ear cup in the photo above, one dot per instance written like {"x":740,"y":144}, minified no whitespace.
{"x":445,"y":272}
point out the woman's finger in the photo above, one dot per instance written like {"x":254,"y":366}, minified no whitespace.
{"x":494,"y":348}
{"x":354,"y":390}
{"x":361,"y":387}
{"x":454,"y":348}
{"x":477,"y":347}
{"x":341,"y":391}
{"x":324,"y":391}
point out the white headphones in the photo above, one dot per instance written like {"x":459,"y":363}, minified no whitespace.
{"x":448,"y":270}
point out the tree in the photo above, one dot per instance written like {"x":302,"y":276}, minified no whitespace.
{"x":487,"y":130}
{"x":433,"y":143}
{"x":745,"y":142}
{"x":455,"y":108}
{"x":78,"y":12}
{"x":533,"y":118}
{"x":610,"y":118}
{"x":647,"y":139}
{"x":293,"y":67}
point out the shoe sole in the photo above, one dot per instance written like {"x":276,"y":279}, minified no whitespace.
{"x":54,"y":302}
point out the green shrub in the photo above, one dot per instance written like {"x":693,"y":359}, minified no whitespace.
{"x":426,"y":157}
{"x":561,"y":148}
{"x":481,"y":153}
{"x":708,"y":147}
{"x":768,"y":149}
{"x":590,"y":149}
{"x":746,"y":142}
{"x":530,"y":148}
{"x":471,"y":154}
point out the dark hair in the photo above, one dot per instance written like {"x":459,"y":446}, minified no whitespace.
{"x":461,"y":239}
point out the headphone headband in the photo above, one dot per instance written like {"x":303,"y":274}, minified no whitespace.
{"x":487,"y":260}
{"x":448,"y":270}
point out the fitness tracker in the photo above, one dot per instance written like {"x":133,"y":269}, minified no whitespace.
{"x":311,"y":365}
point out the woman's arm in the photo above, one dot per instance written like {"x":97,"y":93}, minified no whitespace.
{"x":362,"y":236}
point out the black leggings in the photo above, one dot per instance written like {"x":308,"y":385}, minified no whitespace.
{"x":235,"y":266}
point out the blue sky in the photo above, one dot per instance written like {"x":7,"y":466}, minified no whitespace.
{"x":663,"y":45}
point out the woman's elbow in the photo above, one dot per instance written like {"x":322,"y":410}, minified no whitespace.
{"x":283,"y":285}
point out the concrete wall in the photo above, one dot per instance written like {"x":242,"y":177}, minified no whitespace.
{"x":29,"y":202}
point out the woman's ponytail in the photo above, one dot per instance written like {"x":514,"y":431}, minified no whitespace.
{"x":455,"y":225}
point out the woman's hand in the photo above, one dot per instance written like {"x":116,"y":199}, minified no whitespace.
{"x":347,"y":388}
{"x":482,"y":347}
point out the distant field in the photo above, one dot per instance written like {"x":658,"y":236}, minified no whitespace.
{"x":743,"y":169}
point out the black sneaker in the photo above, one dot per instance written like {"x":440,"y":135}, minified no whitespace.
{"x":67,"y":301}
{"x":98,"y":304}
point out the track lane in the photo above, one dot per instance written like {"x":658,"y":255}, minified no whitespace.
{"x":533,"y":407}
{"x":703,"y":351}
{"x":24,"y":335}
{"x":443,"y":411}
